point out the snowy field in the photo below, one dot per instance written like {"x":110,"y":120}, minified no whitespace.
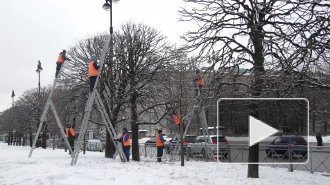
{"x":47,"y":166}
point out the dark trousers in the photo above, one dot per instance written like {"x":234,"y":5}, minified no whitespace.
{"x":92,"y":80}
{"x":198,"y":90}
{"x":58,"y":67}
{"x":126,"y":150}
{"x":160,"y":150}
{"x":71,"y":142}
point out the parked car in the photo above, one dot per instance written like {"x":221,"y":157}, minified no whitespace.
{"x":171,"y":144}
{"x":201,"y":143}
{"x":94,"y":145}
{"x":151,"y":141}
{"x":60,"y":143}
{"x":103,"y":140}
{"x":280,"y":145}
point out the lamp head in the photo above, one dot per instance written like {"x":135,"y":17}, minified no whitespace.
{"x":12,"y":94}
{"x":106,"y":6}
{"x":39,"y":68}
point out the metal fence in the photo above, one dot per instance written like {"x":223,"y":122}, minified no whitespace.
{"x":316,"y":159}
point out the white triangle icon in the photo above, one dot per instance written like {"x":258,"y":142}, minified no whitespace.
{"x":259,"y":130}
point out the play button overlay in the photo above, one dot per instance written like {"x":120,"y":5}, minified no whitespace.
{"x":259,"y":131}
{"x":272,"y":126}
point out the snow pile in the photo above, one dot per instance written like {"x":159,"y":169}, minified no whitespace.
{"x":47,"y":166}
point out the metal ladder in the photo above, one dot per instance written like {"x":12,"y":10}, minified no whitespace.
{"x":197,"y":106}
{"x":89,"y":105}
{"x":48,"y":104}
{"x":208,"y":151}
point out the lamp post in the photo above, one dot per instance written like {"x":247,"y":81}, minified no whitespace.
{"x":108,"y":7}
{"x":39,"y":69}
{"x":12,"y":96}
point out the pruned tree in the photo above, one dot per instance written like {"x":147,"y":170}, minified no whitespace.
{"x":141,"y":52}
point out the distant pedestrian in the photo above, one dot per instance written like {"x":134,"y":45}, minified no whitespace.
{"x":319,"y":139}
{"x":160,"y":145}
{"x":93,"y":73}
{"x":126,"y":143}
{"x":70,"y":134}
{"x":61,"y":59}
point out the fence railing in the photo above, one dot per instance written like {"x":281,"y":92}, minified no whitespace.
{"x":284,"y":156}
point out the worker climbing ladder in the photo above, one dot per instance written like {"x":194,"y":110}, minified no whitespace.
{"x":50,"y":104}
{"x":94,"y":96}
{"x":197,"y":107}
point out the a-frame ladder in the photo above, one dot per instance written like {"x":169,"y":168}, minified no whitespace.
{"x":197,"y":107}
{"x":95,"y":96}
{"x":48,"y":104}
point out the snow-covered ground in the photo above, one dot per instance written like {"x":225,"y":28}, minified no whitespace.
{"x":47,"y":166}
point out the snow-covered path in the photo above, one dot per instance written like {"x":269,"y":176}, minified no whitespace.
{"x":47,"y":166}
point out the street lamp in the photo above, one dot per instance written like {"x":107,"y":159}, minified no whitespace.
{"x":12,"y":96}
{"x":108,"y":6}
{"x":39,"y":69}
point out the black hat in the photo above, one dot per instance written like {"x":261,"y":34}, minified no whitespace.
{"x":64,"y":50}
{"x":125,"y":129}
{"x":160,"y":131}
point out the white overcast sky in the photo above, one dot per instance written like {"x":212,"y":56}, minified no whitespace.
{"x":33,"y":30}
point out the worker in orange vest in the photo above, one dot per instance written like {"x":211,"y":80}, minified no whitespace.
{"x":126,"y":143}
{"x":93,"y":73}
{"x":199,"y":82}
{"x":176,"y":118}
{"x":70,"y":134}
{"x":61,"y":59}
{"x":160,"y":145}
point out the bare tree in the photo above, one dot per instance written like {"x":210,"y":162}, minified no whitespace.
{"x":141,"y":52}
{"x":280,"y":40}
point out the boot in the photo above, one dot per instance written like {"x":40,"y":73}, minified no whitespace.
{"x":159,"y":159}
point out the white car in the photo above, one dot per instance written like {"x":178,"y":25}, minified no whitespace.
{"x":201,"y":143}
{"x":94,"y":145}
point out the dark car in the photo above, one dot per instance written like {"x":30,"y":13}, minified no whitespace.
{"x":280,"y":145}
{"x":169,"y":147}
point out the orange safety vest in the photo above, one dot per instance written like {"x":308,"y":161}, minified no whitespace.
{"x":128,"y":142}
{"x":200,"y":81}
{"x":158,"y":141}
{"x":91,"y":69}
{"x":176,"y":118}
{"x":60,"y":59}
{"x":73,"y":133}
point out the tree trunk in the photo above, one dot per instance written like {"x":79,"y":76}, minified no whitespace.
{"x":44,"y":140}
{"x":257,"y":39}
{"x":20,"y":139}
{"x":134,"y":127}
{"x":31,"y":139}
{"x":253,"y":169}
{"x":110,"y":148}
